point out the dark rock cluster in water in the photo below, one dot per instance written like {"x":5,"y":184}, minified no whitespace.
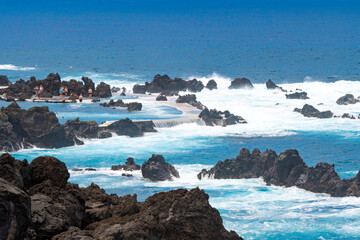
{"x":156,"y":169}
{"x":287,"y":169}
{"x":4,"y":81}
{"x":190,"y":99}
{"x":214,"y":117}
{"x":132,"y":106}
{"x":310,"y":111}
{"x":161,"y":98}
{"x":22,"y":90}
{"x":239,"y":83}
{"x":211,"y":85}
{"x":347,"y":99}
{"x":130,"y":165}
{"x":271,"y":85}
{"x":38,"y":202}
{"x":297,"y":95}
{"x":163,"y":84}
{"x":40,"y":127}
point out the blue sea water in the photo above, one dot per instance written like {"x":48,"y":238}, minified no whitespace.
{"x":307,"y":44}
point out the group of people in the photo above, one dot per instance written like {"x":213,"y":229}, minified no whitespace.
{"x":63,"y":91}
{"x":38,"y":90}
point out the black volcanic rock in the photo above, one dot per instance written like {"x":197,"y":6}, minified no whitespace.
{"x":297,"y":95}
{"x":190,"y":99}
{"x":271,"y":85}
{"x":211,"y":84}
{"x":139,"y":89}
{"x":88,"y":84}
{"x":130,"y":128}
{"x":194,"y":86}
{"x":47,"y":211}
{"x":213,"y":117}
{"x":132,"y":106}
{"x":239,"y":83}
{"x":347,"y":99}
{"x":161,"y":98}
{"x":82,"y":129}
{"x":310,"y":111}
{"x":156,"y":169}
{"x":130,"y":165}
{"x":102,"y":90}
{"x":4,"y":81}
{"x":287,"y":169}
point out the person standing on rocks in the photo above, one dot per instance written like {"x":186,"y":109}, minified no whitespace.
{"x":80,"y":97}
{"x":41,"y":89}
{"x":61,"y":93}
{"x":36,"y":90}
{"x":90,"y":91}
{"x":66,"y":90}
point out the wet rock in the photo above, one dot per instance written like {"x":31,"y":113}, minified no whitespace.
{"x":213,"y":117}
{"x":310,"y":111}
{"x":82,"y":129}
{"x":90,"y":169}
{"x":15,"y":211}
{"x":190,"y":99}
{"x":194,"y":86}
{"x":347,"y":99}
{"x":115,"y":89}
{"x":4,"y":81}
{"x":102,"y":90}
{"x":103,"y":135}
{"x":297,"y":95}
{"x":139,"y":89}
{"x":271,"y":85}
{"x":134,"y":106}
{"x":161,"y":98}
{"x":156,"y":169}
{"x":13,"y":170}
{"x":130,"y":165}
{"x":129,"y":128}
{"x":287,"y":169}
{"x":126,"y":175}
{"x":76,"y":169}
{"x":239,"y":83}
{"x":211,"y":84}
{"x":88,"y":84}
{"x":347,"y":115}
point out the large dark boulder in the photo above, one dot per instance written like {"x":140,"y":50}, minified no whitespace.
{"x":287,"y":169}
{"x":82,"y":129}
{"x":13,"y":171}
{"x":129,"y":128}
{"x":271,"y":85}
{"x":190,"y":99}
{"x":88,"y":84}
{"x":102,"y":90}
{"x":4,"y":81}
{"x":239,"y":83}
{"x":134,"y":106}
{"x":130,"y":165}
{"x":347,"y":99}
{"x":211,"y":84}
{"x":297,"y":95}
{"x":194,"y":85}
{"x":156,"y":169}
{"x":15,"y":211}
{"x":161,"y":98}
{"x":139,"y":89}
{"x":213,"y":117}
{"x":310,"y":111}
{"x":49,"y":168}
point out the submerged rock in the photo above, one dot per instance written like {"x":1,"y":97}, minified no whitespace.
{"x":239,"y":83}
{"x":347,"y":99}
{"x":156,"y":169}
{"x":297,"y":95}
{"x":287,"y":169}
{"x":130,"y":165}
{"x":310,"y":111}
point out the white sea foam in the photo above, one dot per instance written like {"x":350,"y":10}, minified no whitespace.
{"x":15,"y":68}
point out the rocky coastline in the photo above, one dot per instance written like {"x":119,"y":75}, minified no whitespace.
{"x":38,"y":202}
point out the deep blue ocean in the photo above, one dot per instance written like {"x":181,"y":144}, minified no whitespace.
{"x":312,"y":45}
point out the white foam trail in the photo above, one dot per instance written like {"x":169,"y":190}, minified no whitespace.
{"x":15,"y":68}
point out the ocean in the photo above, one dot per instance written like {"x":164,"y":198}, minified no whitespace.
{"x":310,"y":45}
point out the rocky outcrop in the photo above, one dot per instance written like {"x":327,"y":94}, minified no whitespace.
{"x":156,"y":169}
{"x":310,"y":111}
{"x":4,"y":81}
{"x":130,"y":165}
{"x":52,"y":208}
{"x":129,"y":128}
{"x":240,"y":83}
{"x":347,"y":99}
{"x":271,"y":85}
{"x":211,"y":85}
{"x":297,"y":95}
{"x":287,"y":169}
{"x":132,"y":106}
{"x":213,"y":117}
{"x":163,"y":83}
{"x":161,"y":98}
{"x":102,"y":90}
{"x":190,"y":99}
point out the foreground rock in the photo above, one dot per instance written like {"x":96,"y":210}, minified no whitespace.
{"x":240,"y":83}
{"x":130,"y":165}
{"x":25,"y":89}
{"x":39,"y":127}
{"x":163,"y":84}
{"x":52,"y":208}
{"x":287,"y":169}
{"x":347,"y":99}
{"x":156,"y":169}
{"x":310,"y":111}
{"x":4,"y":81}
{"x":190,"y":99}
{"x":297,"y":95}
{"x":132,"y":106}
{"x":271,"y":85}
{"x":213,"y":117}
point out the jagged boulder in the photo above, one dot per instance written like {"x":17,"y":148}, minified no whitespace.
{"x":190,"y":99}
{"x":213,"y":117}
{"x":139,"y":89}
{"x":156,"y":169}
{"x":271,"y":85}
{"x":134,"y":106}
{"x":347,"y":99}
{"x":82,"y":129}
{"x":310,"y":111}
{"x":161,"y":98}
{"x":4,"y":81}
{"x":102,"y":90}
{"x":194,"y":85}
{"x":211,"y":84}
{"x":129,"y":128}
{"x":88,"y":84}
{"x":239,"y":83}
{"x":297,"y":95}
{"x":130,"y":165}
